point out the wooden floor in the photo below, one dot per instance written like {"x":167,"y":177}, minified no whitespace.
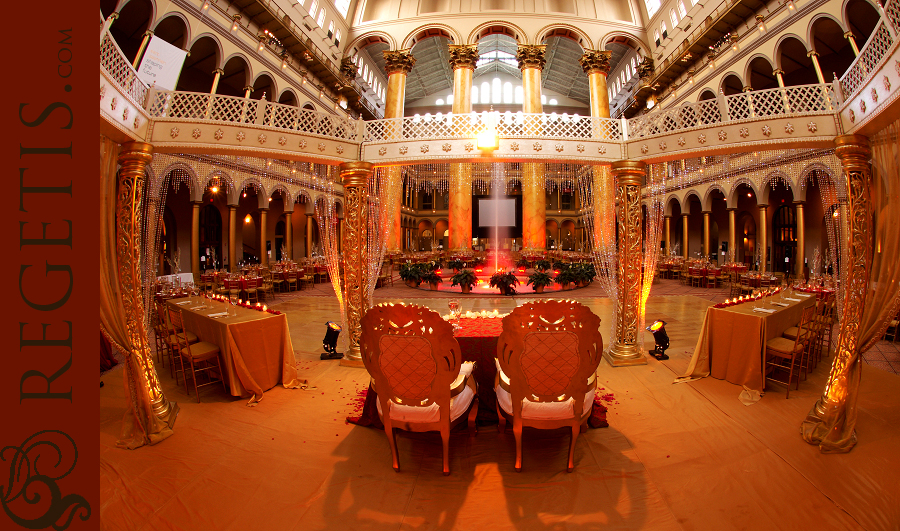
{"x":675,"y":456}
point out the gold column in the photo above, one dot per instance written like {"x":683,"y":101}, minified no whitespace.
{"x":684,"y":234}
{"x":596,"y":65}
{"x":215,"y":84}
{"x":195,"y":240}
{"x":397,"y":64}
{"x":815,"y":59}
{"x":706,"y":235}
{"x":288,"y":237}
{"x":668,"y":234}
{"x":849,"y":36}
{"x":629,"y":176}
{"x":354,"y":257}
{"x":762,"y":237}
{"x":831,"y":422}
{"x":140,"y":371}
{"x":232,"y":230}
{"x":801,"y":238}
{"x":247,"y":90}
{"x":263,"y":221}
{"x":779,"y":74}
{"x":143,"y":46}
{"x":309,"y":225}
{"x":534,"y":204}
{"x":462,"y":60}
{"x":732,"y":234}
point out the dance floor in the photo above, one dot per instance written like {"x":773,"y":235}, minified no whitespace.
{"x":675,"y":456}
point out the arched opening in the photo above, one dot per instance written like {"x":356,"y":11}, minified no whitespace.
{"x":784,"y":228}
{"x":263,"y":87}
{"x":172,"y":30}
{"x":197,"y":74}
{"x":210,"y":238}
{"x":279,"y":239}
{"x":429,"y":86}
{"x":760,"y":76}
{"x":168,"y":243}
{"x":732,"y":85}
{"x":235,"y":78}
{"x":861,"y":17}
{"x":128,"y":30}
{"x":797,"y":65}
{"x":288,"y":98}
{"x":835,"y":52}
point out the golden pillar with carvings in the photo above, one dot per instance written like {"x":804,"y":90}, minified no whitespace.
{"x":263,"y":221}
{"x":684,"y":235}
{"x":534,"y":203}
{"x":762,"y":237}
{"x":139,"y":369}
{"x":397,"y":64}
{"x":596,"y":65}
{"x":354,"y":176}
{"x":462,"y":60}
{"x":801,"y":239}
{"x":831,"y":422}
{"x":629,"y":176}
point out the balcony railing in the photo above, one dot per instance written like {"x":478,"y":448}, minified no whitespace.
{"x":117,"y":66}
{"x":508,"y":125}
{"x":874,"y":50}
{"x":193,"y":106}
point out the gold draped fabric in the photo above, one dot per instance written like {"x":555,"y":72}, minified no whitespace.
{"x":140,"y":425}
{"x":834,"y":428}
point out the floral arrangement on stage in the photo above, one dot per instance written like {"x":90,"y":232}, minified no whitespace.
{"x":745,"y":298}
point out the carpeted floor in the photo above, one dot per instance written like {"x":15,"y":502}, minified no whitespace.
{"x":675,"y":456}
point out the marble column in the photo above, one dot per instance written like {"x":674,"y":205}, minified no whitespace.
{"x":355,"y":279}
{"x":462,"y":60}
{"x":232,"y":231}
{"x":263,"y":221}
{"x":624,"y":351}
{"x":779,"y":74}
{"x":288,"y":237}
{"x":215,"y":86}
{"x":534,"y":204}
{"x":596,"y":65}
{"x":195,"y":240}
{"x":831,"y":422}
{"x":668,"y":235}
{"x":815,"y":60}
{"x":732,"y":235}
{"x":309,"y":225}
{"x":849,"y":36}
{"x":141,"y":48}
{"x":762,"y":238}
{"x":706,"y":250}
{"x":397,"y":64}
{"x":684,"y":235}
{"x":801,"y":238}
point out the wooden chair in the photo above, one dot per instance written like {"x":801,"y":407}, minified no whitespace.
{"x":712,"y":279}
{"x":548,"y":355}
{"x":305,"y":279}
{"x":290,"y":279}
{"x":267,"y":287}
{"x":160,"y":332}
{"x":278,"y":281}
{"x":788,"y":355}
{"x":745,"y":285}
{"x":251,"y":288}
{"x":176,"y":335}
{"x":197,"y":353}
{"x":415,"y":363}
{"x":891,"y":329}
{"x":696,"y":278}
{"x":735,"y":284}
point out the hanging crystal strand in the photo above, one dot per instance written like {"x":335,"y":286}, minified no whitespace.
{"x":603,"y":257}
{"x":381,"y":204}
{"x":653,"y":227}
{"x":326,"y":218}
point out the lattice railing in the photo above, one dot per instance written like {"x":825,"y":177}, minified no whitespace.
{"x":117,"y":66}
{"x":892,"y":10}
{"x":508,"y":125}
{"x":219,"y":108}
{"x":684,"y":116}
{"x":803,"y":99}
{"x":874,"y":50}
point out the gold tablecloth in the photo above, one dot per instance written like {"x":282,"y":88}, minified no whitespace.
{"x":732,"y":342}
{"x":256,"y":346}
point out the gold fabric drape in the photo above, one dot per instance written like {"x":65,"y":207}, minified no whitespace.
{"x":140,"y":425}
{"x":831,"y":424}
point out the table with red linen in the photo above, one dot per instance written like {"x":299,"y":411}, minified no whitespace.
{"x":820,"y":293}
{"x":477,"y":340}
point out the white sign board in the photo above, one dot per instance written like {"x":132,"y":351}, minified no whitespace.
{"x":161,"y":64}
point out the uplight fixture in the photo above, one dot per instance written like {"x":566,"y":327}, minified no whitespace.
{"x":332,"y":331}
{"x":661,"y":338}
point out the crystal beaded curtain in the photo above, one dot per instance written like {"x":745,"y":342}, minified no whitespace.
{"x":327,"y":219}
{"x":654,"y":189}
{"x":382,"y":199}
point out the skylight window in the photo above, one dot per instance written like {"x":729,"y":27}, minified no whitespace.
{"x":652,"y":7}
{"x":343,"y":6}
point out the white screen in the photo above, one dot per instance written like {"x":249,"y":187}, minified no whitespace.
{"x":497,"y":212}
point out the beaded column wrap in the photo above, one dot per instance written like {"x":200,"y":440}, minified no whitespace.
{"x":463,"y":59}
{"x":397,"y":65}
{"x":629,"y":176}
{"x":133,"y":158}
{"x":596,"y":65}
{"x":534,"y":206}
{"x":831,"y":422}
{"x":354,"y":176}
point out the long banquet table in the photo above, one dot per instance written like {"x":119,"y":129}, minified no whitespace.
{"x":256,"y":346}
{"x":732,"y":342}
{"x":477,"y":340}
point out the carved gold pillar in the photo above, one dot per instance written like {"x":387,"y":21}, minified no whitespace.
{"x":801,"y":238}
{"x":263,"y":221}
{"x":815,"y":60}
{"x":140,"y":371}
{"x":288,"y":237}
{"x":732,"y":234}
{"x":195,"y":240}
{"x":762,"y":238}
{"x":684,"y":234}
{"x":831,"y":422}
{"x":629,"y":176}
{"x":232,"y":231}
{"x":596,"y":65}
{"x":849,"y":36}
{"x":534,"y":204}
{"x":668,"y":234}
{"x":309,"y":226}
{"x":397,"y":64}
{"x":462,"y":60}
{"x":354,"y":176}
{"x":706,"y":235}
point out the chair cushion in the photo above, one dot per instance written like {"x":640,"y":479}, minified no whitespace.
{"x":780,"y":344}
{"x":543,"y":410}
{"x":201,"y":351}
{"x":791,"y":333}
{"x":189,"y":336}
{"x":404,"y":413}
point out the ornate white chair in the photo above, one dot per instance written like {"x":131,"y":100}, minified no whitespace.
{"x":548,"y":355}
{"x":417,"y":369}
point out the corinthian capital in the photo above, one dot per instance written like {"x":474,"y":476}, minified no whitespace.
{"x":463,"y":56}
{"x":531,"y":56}
{"x":594,"y":61}
{"x":349,"y":69}
{"x":398,"y":61}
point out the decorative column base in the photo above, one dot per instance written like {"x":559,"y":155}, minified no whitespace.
{"x":624,"y":355}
